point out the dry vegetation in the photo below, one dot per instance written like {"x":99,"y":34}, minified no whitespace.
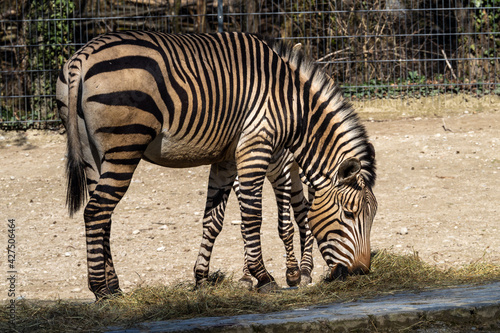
{"x":391,"y":273}
{"x":373,"y":48}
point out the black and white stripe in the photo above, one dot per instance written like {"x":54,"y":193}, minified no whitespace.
{"x":284,"y":177}
{"x":188,"y":100}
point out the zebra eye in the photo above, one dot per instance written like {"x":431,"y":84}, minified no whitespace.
{"x":349,"y":215}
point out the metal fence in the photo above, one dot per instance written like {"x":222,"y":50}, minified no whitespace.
{"x":372,"y":48}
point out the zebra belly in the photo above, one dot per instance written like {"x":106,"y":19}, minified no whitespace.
{"x":170,"y":152}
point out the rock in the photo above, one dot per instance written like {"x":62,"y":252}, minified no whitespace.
{"x":403,"y":231}
{"x":135,"y":232}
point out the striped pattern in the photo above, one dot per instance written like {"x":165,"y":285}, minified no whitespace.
{"x":188,"y":100}
{"x":285,"y":179}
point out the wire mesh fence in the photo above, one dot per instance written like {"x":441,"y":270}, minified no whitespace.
{"x":372,"y":48}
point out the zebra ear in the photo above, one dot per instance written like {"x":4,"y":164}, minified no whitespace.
{"x":371,"y":150}
{"x":348,"y":170}
{"x":297,"y":47}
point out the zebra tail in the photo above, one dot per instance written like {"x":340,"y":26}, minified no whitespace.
{"x":76,"y":192}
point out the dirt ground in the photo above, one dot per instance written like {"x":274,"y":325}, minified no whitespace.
{"x":438,"y":190}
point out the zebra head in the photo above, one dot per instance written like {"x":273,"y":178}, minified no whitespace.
{"x":341,"y":217}
{"x":331,"y":147}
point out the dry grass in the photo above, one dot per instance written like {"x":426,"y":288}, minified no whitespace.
{"x":425,"y":107}
{"x":390,"y":273}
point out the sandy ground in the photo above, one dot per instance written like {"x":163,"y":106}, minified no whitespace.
{"x":438,"y":194}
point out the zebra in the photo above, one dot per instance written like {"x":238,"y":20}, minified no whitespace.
{"x":198,"y":99}
{"x":284,"y":176}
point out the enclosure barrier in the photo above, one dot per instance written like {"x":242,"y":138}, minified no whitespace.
{"x":374,"y":49}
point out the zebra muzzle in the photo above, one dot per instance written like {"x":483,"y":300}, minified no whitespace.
{"x":338,"y":272}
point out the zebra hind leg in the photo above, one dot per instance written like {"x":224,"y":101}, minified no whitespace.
{"x":113,"y":182}
{"x":221,"y":179}
{"x":246,"y":280}
{"x":92,"y":173}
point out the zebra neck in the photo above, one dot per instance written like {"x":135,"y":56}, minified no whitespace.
{"x":331,"y":133}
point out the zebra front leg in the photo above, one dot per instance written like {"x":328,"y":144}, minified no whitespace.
{"x":301,"y":207}
{"x":221,"y":179}
{"x":252,"y":161}
{"x":246,"y":280}
{"x":279,"y":176}
{"x":286,"y":231}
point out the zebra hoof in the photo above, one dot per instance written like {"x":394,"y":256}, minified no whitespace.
{"x":305,"y":279}
{"x":108,"y":295}
{"x":201,"y":284}
{"x":268,"y":287}
{"x":246,"y":282}
{"x":293,"y":277}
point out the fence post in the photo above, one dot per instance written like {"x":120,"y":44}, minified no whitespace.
{"x":175,"y":14}
{"x":220,"y":16}
{"x":201,"y":11}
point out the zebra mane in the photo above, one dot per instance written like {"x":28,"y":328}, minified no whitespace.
{"x":323,"y":83}
{"x":295,"y":57}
